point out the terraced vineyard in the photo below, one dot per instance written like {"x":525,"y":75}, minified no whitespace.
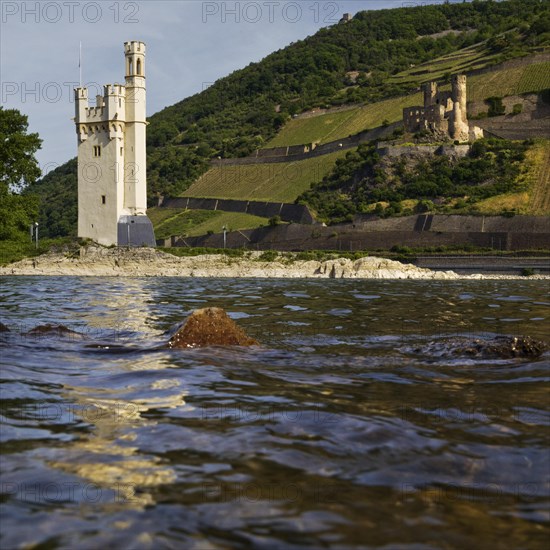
{"x":333,"y":126}
{"x":299,"y":131}
{"x":178,"y":221}
{"x":468,"y":59}
{"x":280,"y":182}
{"x":514,"y":81}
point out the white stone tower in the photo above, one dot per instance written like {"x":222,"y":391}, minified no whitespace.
{"x":112,"y":184}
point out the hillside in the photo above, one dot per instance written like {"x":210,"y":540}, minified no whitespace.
{"x":495,"y":177}
{"x":378,"y":56}
{"x":533,"y":76}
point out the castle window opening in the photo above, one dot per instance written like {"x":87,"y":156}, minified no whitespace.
{"x":138,"y":66}
{"x":121,"y":150}
{"x":103,"y":199}
{"x":97,"y":150}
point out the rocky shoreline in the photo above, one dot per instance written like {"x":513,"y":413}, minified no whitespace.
{"x":148,"y":262}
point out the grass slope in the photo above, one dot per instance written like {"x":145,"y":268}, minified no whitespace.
{"x":539,"y":200}
{"x":280,"y":182}
{"x":333,"y":126}
{"x":178,"y":221}
{"x":535,"y":200}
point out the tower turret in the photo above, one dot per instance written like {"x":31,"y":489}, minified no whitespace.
{"x":135,"y":80}
{"x":430,"y":93}
{"x":135,"y":182}
{"x":458,"y":84}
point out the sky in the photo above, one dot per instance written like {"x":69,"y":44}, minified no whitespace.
{"x":190,"y":44}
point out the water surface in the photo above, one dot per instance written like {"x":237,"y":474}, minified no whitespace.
{"x":341,"y":431}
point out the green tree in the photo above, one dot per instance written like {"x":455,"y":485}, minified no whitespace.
{"x":18,"y":168}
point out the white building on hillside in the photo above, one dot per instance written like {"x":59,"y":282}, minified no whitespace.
{"x":112,"y":184}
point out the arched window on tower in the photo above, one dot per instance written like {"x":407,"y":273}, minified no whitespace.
{"x":138,"y":66}
{"x":130,"y":66}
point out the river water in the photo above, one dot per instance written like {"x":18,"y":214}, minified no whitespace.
{"x":345,"y":429}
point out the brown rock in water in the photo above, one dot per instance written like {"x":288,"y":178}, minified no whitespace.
{"x":210,"y":326}
{"x":4,"y":328}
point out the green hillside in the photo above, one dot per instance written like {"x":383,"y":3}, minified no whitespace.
{"x":246,"y":110}
{"x":497,"y":176}
{"x":335,"y":125}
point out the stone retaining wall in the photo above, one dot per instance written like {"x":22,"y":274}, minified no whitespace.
{"x":303,"y":152}
{"x":529,"y":232}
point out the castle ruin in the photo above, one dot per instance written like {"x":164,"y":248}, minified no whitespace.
{"x":444,"y":113}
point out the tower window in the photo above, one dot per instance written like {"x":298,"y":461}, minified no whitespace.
{"x":103,"y":199}
{"x":97,"y":150}
{"x":138,"y":66}
{"x":121,"y":151}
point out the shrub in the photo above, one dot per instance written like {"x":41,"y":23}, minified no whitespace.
{"x":268,"y":256}
{"x":496,"y":107}
{"x":274,"y":221}
{"x":424,"y":206}
{"x":398,"y":249}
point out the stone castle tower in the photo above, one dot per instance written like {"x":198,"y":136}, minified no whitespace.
{"x":112,"y":184}
{"x":443,"y":113}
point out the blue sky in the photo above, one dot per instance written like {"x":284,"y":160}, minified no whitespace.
{"x":190,"y":44}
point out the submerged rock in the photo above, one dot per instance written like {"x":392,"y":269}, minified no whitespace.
{"x":501,"y":347}
{"x":210,"y":326}
{"x":52,"y":330}
{"x":4,"y":328}
{"x":512,"y":346}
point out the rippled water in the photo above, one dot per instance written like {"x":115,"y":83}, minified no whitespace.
{"x":339,"y":432}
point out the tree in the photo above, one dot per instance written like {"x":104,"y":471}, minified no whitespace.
{"x":18,"y":168}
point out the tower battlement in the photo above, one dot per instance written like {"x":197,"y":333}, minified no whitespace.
{"x":114,"y":89}
{"x":134,"y":46}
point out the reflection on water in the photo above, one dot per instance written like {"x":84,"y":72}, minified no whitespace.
{"x":336,"y":433}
